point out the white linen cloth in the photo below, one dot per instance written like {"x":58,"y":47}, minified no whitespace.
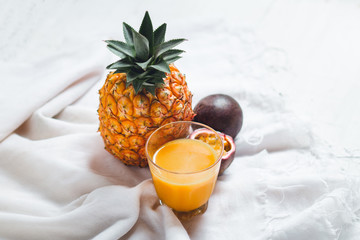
{"x":58,"y":182}
{"x":286,"y":183}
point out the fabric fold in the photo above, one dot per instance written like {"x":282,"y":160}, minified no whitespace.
{"x":58,"y":182}
{"x":23,"y":92}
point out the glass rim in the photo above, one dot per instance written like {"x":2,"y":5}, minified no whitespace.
{"x":190,"y":123}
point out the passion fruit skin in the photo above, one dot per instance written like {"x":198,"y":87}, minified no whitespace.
{"x":228,"y":157}
{"x":229,"y":146}
{"x":225,"y":163}
{"x":221,"y":112}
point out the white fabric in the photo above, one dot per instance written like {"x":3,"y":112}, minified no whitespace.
{"x":58,"y":182}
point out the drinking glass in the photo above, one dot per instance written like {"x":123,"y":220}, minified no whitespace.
{"x":186,"y":193}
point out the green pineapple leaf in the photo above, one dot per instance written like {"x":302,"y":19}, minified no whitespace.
{"x":165,"y":46}
{"x":131,"y":76}
{"x":127,"y":30}
{"x":145,"y":64}
{"x":155,"y":79}
{"x":157,"y":74}
{"x":141,"y":45}
{"x":145,"y":55}
{"x":172,"y":59}
{"x":122,"y":63}
{"x":138,"y":85}
{"x":159,"y":35}
{"x":115,"y":51}
{"x":122,"y":47}
{"x":172,"y":53}
{"x":146,"y":29}
{"x":151,"y":88}
{"x":158,"y":80}
{"x":161,"y":66}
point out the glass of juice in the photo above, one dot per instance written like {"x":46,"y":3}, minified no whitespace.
{"x":184,"y":170}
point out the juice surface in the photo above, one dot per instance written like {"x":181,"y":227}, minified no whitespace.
{"x":185,"y":191}
{"x":185,"y":155}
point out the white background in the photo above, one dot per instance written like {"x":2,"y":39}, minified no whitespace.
{"x":308,"y":51}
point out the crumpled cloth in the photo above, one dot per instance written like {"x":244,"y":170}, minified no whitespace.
{"x":58,"y":182}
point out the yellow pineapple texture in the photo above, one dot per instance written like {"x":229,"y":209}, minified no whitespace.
{"x":127,"y":119}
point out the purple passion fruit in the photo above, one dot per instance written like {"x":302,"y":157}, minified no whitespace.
{"x":208,"y":136}
{"x":221,"y":112}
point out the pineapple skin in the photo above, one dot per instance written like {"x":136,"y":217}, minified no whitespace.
{"x":128,"y":119}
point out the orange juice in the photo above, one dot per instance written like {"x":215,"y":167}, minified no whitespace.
{"x":185,"y":180}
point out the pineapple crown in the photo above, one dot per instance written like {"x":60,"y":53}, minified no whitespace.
{"x":145,"y":56}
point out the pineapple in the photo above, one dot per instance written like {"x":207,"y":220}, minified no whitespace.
{"x":143,"y":92}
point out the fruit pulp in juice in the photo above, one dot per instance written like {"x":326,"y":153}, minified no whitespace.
{"x":190,"y":177}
